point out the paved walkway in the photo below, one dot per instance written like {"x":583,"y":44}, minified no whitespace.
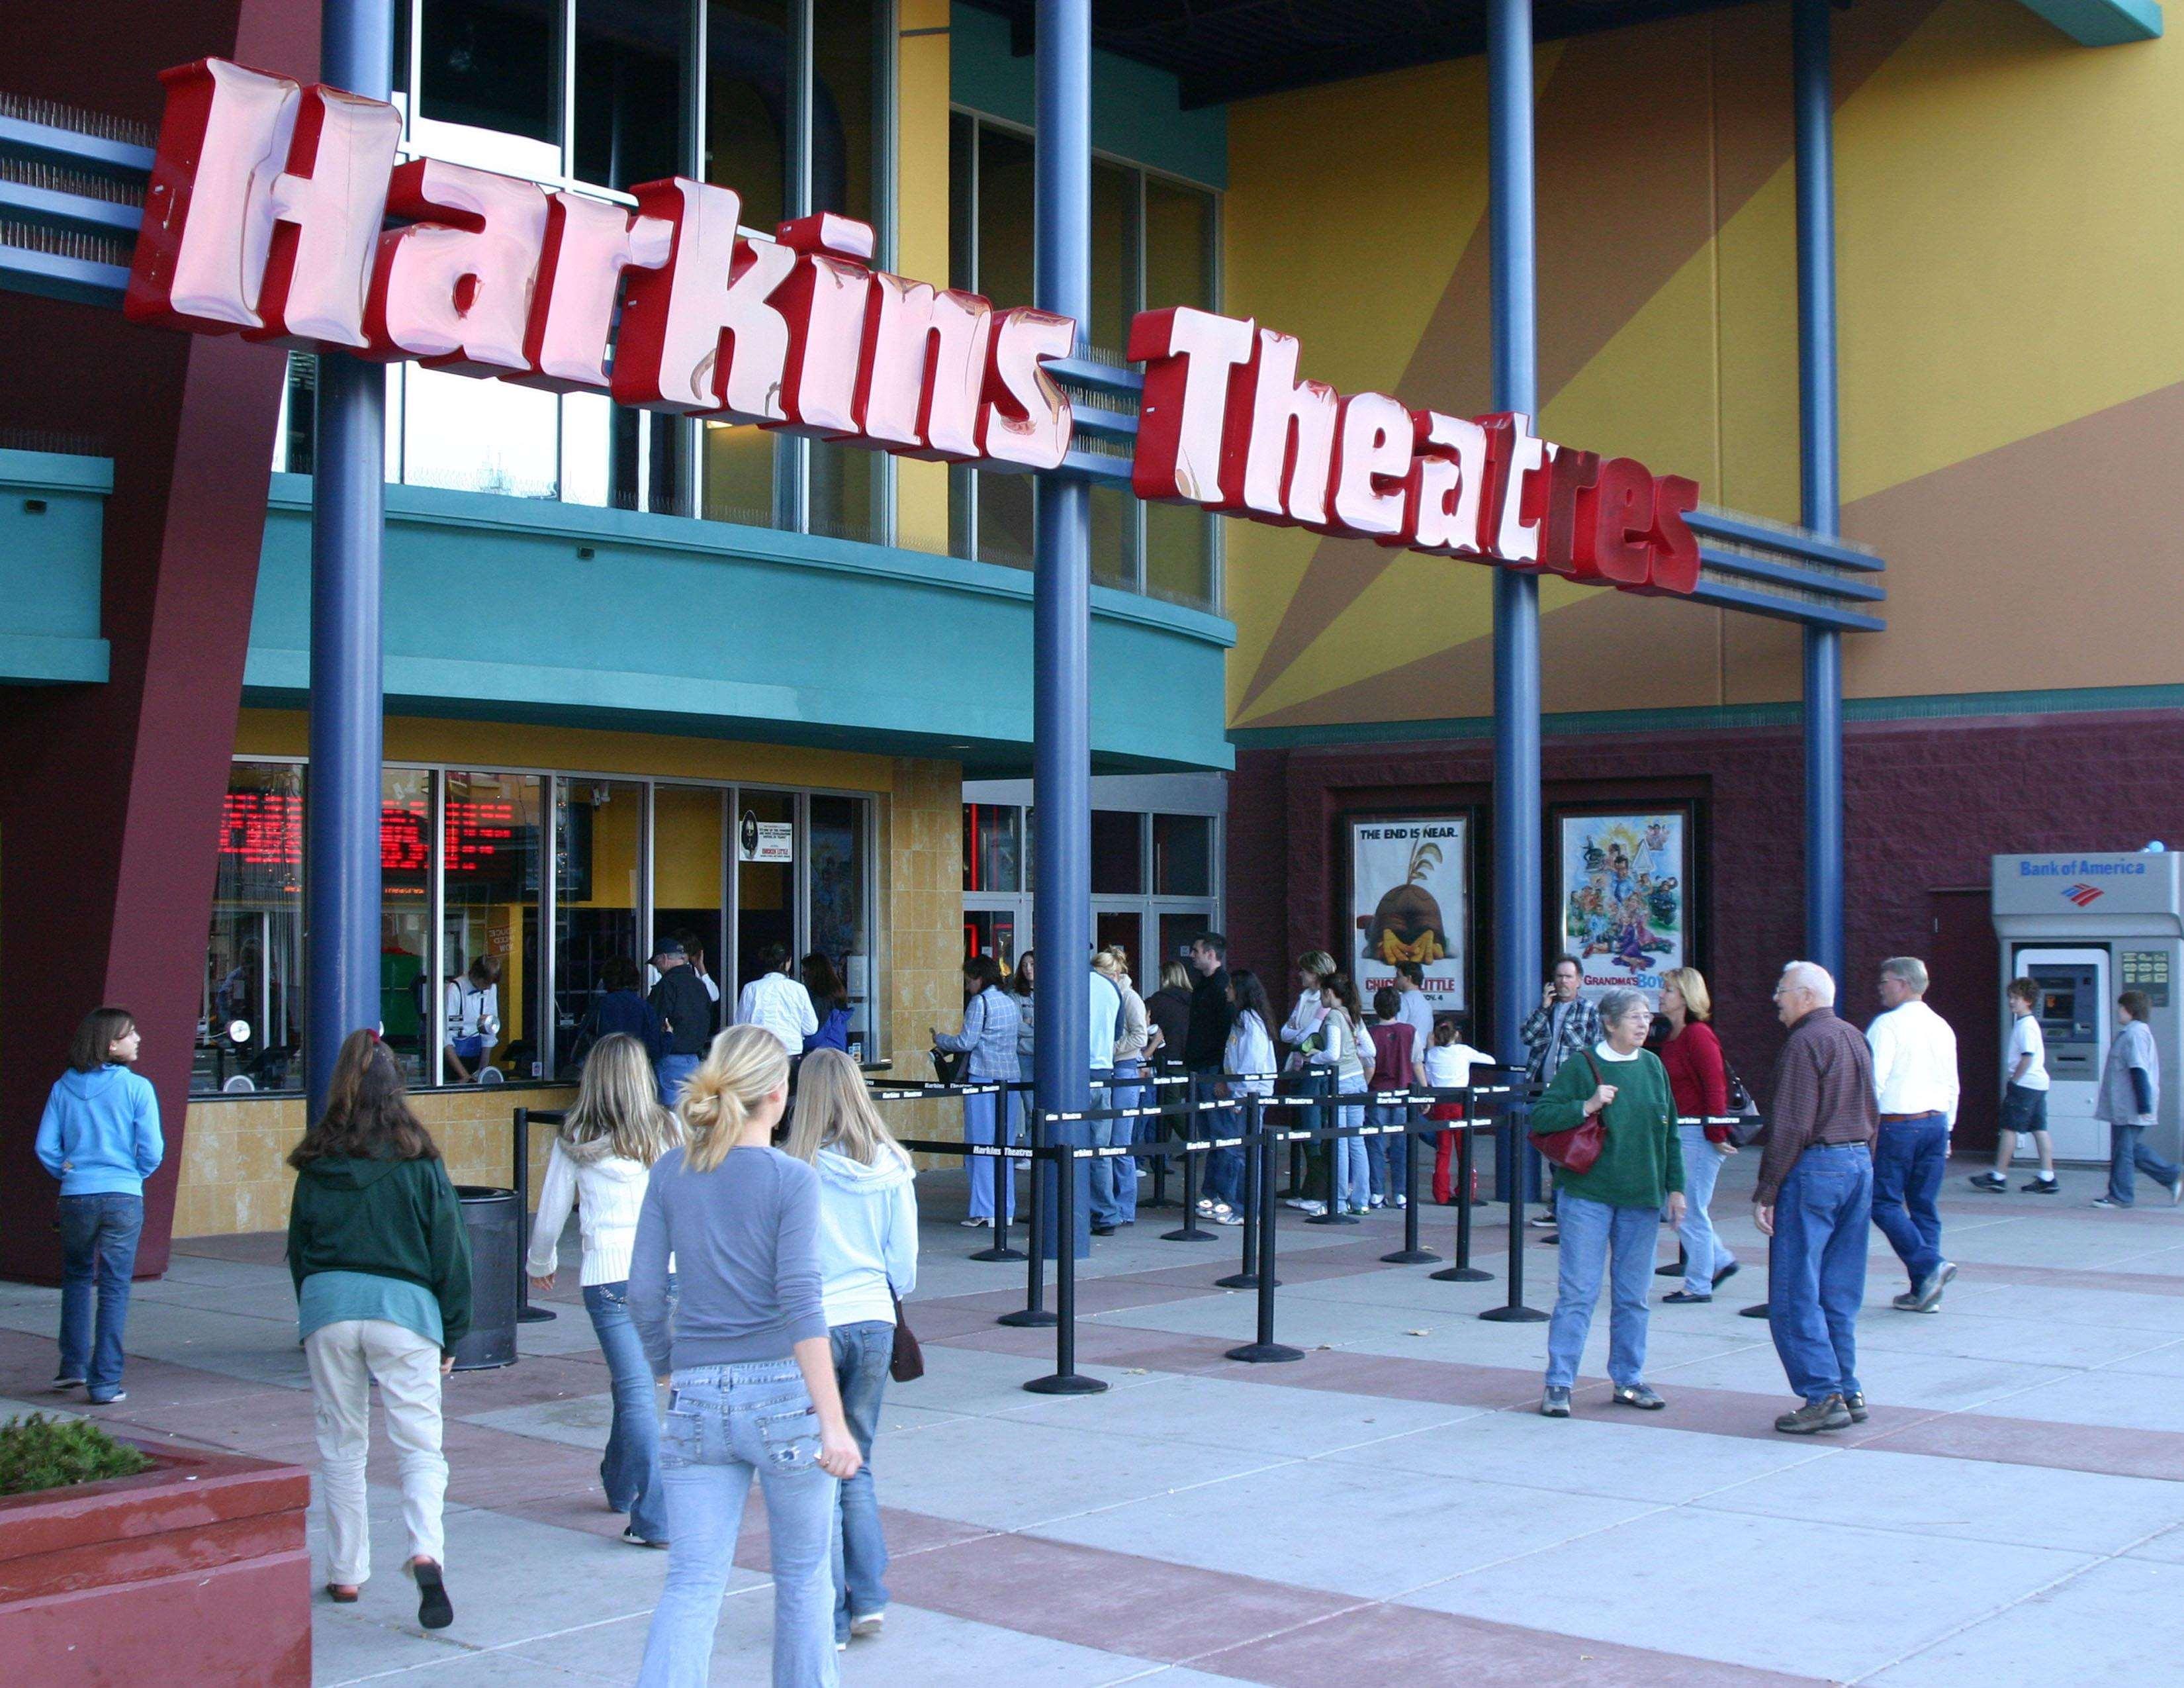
{"x":1389,"y":1510}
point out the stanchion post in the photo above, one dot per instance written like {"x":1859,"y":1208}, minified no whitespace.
{"x":1411,"y":1254}
{"x":525,"y":1312}
{"x":1159,"y":1141}
{"x":1246,"y":1274}
{"x":1264,"y":1350}
{"x":1004,"y":1182}
{"x":1463,"y":1272}
{"x":1033,"y":1314}
{"x":1067,"y":1379}
{"x":1189,"y":1233}
{"x":1334,"y":1215}
{"x":1514,"y":1312}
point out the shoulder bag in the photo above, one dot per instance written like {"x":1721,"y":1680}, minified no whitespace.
{"x":1749,"y":1128}
{"x":1577,"y":1149}
{"x":907,"y":1364}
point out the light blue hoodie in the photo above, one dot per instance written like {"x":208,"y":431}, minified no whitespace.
{"x":867,"y":1235}
{"x":100,"y":1134}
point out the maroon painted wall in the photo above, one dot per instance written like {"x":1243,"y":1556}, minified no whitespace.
{"x":110,"y":803}
{"x":1926,"y":802}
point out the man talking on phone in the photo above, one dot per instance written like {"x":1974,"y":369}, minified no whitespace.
{"x":1563,"y":1024}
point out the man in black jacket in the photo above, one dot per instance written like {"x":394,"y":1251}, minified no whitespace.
{"x":1212,"y":1013}
{"x":686,"y":1014}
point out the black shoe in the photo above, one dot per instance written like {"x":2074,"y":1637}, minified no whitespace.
{"x":1103,"y":1230}
{"x":1988,"y":1181}
{"x":1640,"y":1395}
{"x":1542,"y":1222}
{"x":1815,"y":1416}
{"x":1683,"y":1298}
{"x":634,"y":1539}
{"x":1727,"y":1272}
{"x":64,"y":1381}
{"x":1855,"y":1404}
{"x":435,"y":1611}
{"x":2041,"y":1187}
{"x":113,"y":1400}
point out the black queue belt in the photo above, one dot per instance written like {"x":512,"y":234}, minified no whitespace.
{"x":1005,"y":1179}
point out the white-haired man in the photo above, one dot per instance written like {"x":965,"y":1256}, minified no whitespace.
{"x":1915,"y":1081}
{"x":1814,"y":1200}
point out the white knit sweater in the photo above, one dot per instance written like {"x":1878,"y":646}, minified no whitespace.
{"x":608,"y":1192}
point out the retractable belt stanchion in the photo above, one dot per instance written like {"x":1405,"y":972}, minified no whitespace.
{"x":1264,"y":1350}
{"x":1067,"y":1379}
{"x":1514,"y":1312}
{"x":1190,"y":1231}
{"x":1033,"y":1313}
{"x":1463,"y":1272}
{"x":1411,"y":1254}
{"x":1246,"y":1275}
{"x":525,"y":1312}
{"x":1005,"y":1183}
{"x":1332,"y":1144}
{"x":1161,"y":1089}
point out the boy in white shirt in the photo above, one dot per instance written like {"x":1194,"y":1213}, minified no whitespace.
{"x":2023,"y":1096}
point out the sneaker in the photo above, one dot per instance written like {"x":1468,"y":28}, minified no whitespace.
{"x":634,"y":1539}
{"x":1928,"y":1297}
{"x":1855,"y":1404}
{"x":1225,"y":1216}
{"x":868,"y":1623}
{"x":2046,"y":1186}
{"x":1815,"y":1416}
{"x":1542,"y":1222}
{"x":1907,"y":1302}
{"x":2177,"y":1192}
{"x":1303,"y":1205}
{"x":2110,"y":1201}
{"x":1377,"y":1201}
{"x":1399,"y":1203}
{"x":1989,"y":1181}
{"x":113,"y":1400}
{"x":1640,"y":1395}
{"x":64,"y":1381}
{"x":1555,"y":1403}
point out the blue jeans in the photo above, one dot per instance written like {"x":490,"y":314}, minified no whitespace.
{"x":1115,"y":1179}
{"x":99,"y":1246}
{"x":724,"y":1425}
{"x":1704,"y":1253}
{"x":1816,"y":1267}
{"x":1908,"y":1161}
{"x":862,"y":1353}
{"x":1388,"y":1159}
{"x":629,"y":1470}
{"x":1592,"y":1234}
{"x":979,"y":1115}
{"x":2128,"y":1156}
{"x":1353,"y":1182}
{"x":1223,"y":1180}
{"x":674,"y":1072}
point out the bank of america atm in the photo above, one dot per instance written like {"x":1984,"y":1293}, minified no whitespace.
{"x":2085,"y":929}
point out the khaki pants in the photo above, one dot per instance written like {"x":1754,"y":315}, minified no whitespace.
{"x":345,"y":1360}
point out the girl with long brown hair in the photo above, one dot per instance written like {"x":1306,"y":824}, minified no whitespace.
{"x":601,"y":1162}
{"x":383,"y":1272}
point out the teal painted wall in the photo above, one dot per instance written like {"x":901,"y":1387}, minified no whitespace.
{"x":702,"y":627}
{"x":49,"y":567}
{"x":1135,"y":114}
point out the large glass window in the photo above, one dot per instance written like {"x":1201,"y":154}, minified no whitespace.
{"x":250,"y":1017}
{"x":599,"y":880}
{"x":992,"y":848}
{"x":405,"y":916}
{"x":1118,"y":863}
{"x":489,"y":992}
{"x":766,"y":881}
{"x":690,"y":872}
{"x":839,"y":929}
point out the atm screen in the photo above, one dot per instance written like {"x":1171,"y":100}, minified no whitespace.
{"x":2070,"y":1008}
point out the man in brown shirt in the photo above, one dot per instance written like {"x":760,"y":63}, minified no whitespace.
{"x":1814,"y":1200}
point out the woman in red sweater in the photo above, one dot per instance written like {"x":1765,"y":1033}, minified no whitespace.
{"x":1700,"y":1082}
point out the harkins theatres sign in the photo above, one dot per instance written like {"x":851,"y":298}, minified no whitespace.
{"x":268,"y":216}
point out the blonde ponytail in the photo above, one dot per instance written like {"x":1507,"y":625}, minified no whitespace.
{"x":745,"y":1065}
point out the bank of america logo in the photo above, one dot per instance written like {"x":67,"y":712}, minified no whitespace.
{"x":2082,"y":893}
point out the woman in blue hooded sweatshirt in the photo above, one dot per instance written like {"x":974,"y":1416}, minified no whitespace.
{"x":100,"y":1137}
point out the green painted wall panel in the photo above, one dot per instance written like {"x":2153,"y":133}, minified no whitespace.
{"x":52,"y":513}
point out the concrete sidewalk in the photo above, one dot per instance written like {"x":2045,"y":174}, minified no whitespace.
{"x":1389,"y":1510}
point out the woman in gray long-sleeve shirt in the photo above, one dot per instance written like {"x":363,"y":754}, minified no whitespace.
{"x":745,"y":1349}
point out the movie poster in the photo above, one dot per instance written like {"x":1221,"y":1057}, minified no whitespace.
{"x":1624,"y":912}
{"x":1406,"y":904}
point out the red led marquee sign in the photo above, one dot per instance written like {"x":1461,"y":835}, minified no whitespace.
{"x":267,"y":216}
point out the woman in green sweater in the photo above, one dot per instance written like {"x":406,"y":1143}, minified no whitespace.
{"x":382,"y":1272}
{"x":1613,"y":1210}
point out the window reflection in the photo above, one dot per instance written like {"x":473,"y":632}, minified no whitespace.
{"x":405,"y":916}
{"x":838,"y":915}
{"x":250,"y":1016}
{"x":489,"y":841}
{"x":599,"y":870}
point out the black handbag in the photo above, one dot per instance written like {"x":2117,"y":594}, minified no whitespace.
{"x":948,"y":1065}
{"x":907,"y":1363}
{"x":1749,"y":1127}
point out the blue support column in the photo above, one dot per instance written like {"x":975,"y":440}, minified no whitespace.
{"x":1061,"y":609}
{"x":1517,"y":911}
{"x":1814,"y":92}
{"x":341,"y":841}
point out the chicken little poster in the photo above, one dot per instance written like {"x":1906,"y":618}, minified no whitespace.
{"x":1623,"y":898}
{"x":1406,"y":904}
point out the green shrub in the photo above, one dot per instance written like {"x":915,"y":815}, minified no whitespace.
{"x":38,"y":1452}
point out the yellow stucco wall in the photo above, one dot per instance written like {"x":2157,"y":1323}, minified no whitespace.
{"x":2010,"y":260}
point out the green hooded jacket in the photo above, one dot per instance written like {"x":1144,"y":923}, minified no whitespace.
{"x":391,"y":1218}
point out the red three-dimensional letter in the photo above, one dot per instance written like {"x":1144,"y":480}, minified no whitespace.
{"x":1614,"y":520}
{"x":1675,"y":551}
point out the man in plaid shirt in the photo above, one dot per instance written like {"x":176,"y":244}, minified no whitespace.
{"x":1560,"y":1026}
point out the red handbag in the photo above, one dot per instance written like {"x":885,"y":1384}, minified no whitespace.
{"x":1578,"y":1147}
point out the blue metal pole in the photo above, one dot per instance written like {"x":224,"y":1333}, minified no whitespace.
{"x":1813,"y":93}
{"x":1517,"y":913}
{"x":340,"y":844}
{"x":1062,"y":609}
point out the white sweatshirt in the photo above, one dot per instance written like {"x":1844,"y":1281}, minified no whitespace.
{"x":607,"y":1192}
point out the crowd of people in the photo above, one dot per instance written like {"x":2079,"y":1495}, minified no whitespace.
{"x":762,"y":1284}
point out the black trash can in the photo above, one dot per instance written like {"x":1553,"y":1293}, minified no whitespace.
{"x":495,"y":1225}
